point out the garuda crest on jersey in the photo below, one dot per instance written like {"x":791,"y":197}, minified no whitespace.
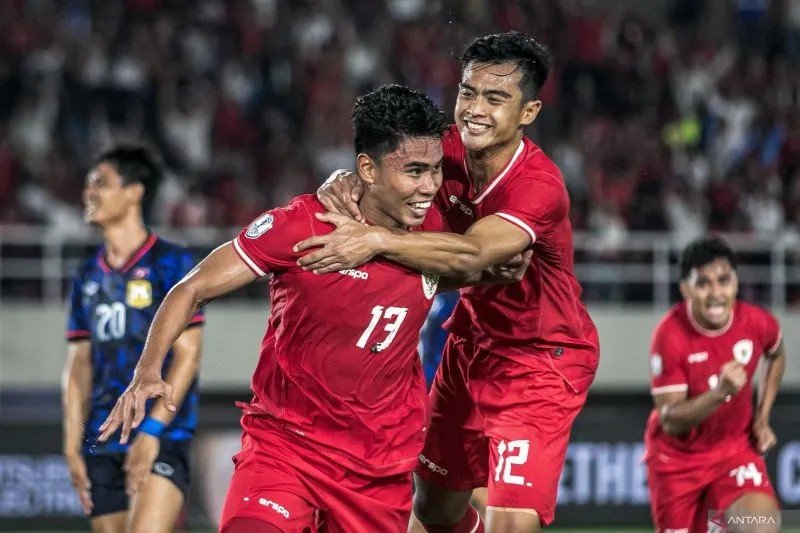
{"x":743,"y":351}
{"x":429,"y":284}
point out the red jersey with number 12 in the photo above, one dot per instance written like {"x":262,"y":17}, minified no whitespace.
{"x":544,"y":310}
{"x":685,"y":357}
{"x":339,"y":364}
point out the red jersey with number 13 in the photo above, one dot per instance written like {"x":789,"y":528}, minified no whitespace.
{"x":338,"y":363}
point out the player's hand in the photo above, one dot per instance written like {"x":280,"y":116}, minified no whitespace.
{"x":130,"y":407}
{"x":340,"y":194}
{"x":139,"y":461}
{"x":80,"y":480}
{"x":350,"y":245}
{"x":763,"y":435}
{"x":732,"y":377}
{"x":511,"y":272}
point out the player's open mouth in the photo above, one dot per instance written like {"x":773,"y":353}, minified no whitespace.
{"x":476,"y":128}
{"x":717,"y":311}
{"x":419,"y":208}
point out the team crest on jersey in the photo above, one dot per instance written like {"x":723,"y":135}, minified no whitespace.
{"x":90,"y":288}
{"x":260,"y":226}
{"x":139,"y":293}
{"x":743,"y":351}
{"x":429,"y":284}
{"x":656,"y":365}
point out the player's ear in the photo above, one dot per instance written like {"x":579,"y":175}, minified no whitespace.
{"x":366,"y":168}
{"x":683,"y":286}
{"x":136,"y":190}
{"x":530,"y":110}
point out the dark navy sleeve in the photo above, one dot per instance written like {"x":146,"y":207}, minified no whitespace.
{"x":77,"y":319}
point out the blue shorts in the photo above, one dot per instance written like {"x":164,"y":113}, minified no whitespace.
{"x":108,"y":478}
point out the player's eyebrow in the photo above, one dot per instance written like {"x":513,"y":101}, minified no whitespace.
{"x":487,"y":92}
{"x":420,"y":164}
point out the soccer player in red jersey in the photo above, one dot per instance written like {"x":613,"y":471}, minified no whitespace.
{"x":520,"y":357}
{"x":339,"y":411}
{"x":704,"y":442}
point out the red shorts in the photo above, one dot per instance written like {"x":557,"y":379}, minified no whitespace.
{"x":682,"y":492}
{"x":296,"y":488}
{"x":500,"y":424}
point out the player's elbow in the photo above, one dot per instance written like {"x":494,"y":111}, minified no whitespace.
{"x":669,"y":425}
{"x":187,"y":290}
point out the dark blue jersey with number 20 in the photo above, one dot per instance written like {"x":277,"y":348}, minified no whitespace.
{"x":113,"y":309}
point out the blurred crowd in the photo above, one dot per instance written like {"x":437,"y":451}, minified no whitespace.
{"x":658,"y":122}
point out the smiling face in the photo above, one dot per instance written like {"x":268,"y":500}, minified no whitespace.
{"x":490,"y":109}
{"x":106,"y":197}
{"x":401,"y":185}
{"x":711,"y":292}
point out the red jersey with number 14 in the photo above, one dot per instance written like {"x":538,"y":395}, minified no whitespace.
{"x":339,"y":364}
{"x":685,"y":357}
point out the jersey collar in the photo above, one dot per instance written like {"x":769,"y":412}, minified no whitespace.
{"x":499,"y":176}
{"x":137,"y":255}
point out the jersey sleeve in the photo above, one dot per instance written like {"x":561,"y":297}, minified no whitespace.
{"x":535,"y":205}
{"x":77,"y":321}
{"x":187,"y":263}
{"x":668,"y":372}
{"x":266,"y":244}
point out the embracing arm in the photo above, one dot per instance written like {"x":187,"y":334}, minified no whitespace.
{"x":490,"y":241}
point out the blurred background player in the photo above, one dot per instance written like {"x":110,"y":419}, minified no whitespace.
{"x":520,"y":357}
{"x":339,"y":408}
{"x":114,"y":297}
{"x":704,"y":439}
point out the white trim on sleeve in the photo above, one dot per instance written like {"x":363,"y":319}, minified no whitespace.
{"x":680,"y":387}
{"x":517,"y":222}
{"x":252,"y":264}
{"x":777,"y":343}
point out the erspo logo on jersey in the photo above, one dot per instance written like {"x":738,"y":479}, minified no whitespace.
{"x":357,"y":274}
{"x":433,"y":467}
{"x":260,"y":226}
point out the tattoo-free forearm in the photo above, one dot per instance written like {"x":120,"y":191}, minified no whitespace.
{"x":186,"y":354}
{"x":768,"y":387}
{"x":679,"y":418}
{"x":178,"y":307}
{"x":447,"y":254}
{"x":76,"y":389}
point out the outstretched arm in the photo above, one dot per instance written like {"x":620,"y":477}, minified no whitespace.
{"x":490,"y":241}
{"x":221,"y":272}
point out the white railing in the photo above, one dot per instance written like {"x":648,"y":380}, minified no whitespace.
{"x":36,"y":262}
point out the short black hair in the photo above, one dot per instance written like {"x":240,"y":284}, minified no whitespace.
{"x":135,"y":164}
{"x":703,"y":251}
{"x":384,"y":117}
{"x":533,"y":58}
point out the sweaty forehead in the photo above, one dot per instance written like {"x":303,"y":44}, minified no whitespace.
{"x":492,"y":75}
{"x":415,"y":149}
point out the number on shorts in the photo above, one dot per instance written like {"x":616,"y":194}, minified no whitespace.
{"x":506,"y":458}
{"x":747,"y":472}
{"x":378,"y":312}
